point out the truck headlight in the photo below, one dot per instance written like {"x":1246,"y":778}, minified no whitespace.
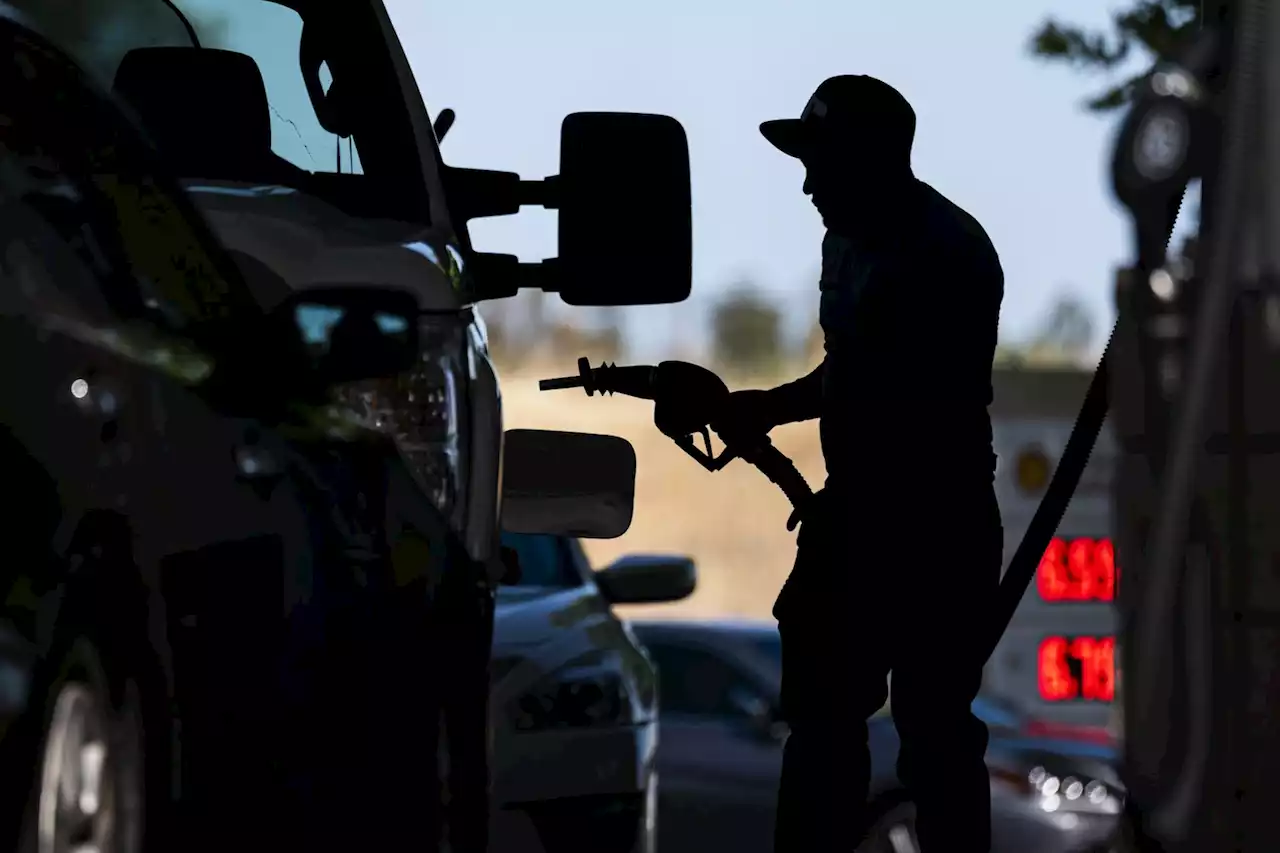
{"x":420,"y":409}
{"x":585,"y":694}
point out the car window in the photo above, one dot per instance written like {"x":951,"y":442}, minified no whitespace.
{"x":271,"y":34}
{"x":544,"y":560}
{"x":375,"y":148}
{"x":695,"y":682}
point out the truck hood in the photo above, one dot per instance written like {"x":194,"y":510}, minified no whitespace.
{"x":309,"y":242}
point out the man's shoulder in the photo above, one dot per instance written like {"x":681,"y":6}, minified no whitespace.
{"x":956,"y":233}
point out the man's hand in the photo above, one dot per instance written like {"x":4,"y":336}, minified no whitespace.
{"x":750,"y":413}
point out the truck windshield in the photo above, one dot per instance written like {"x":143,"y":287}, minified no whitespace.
{"x":343,"y":72}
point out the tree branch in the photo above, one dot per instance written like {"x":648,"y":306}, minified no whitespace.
{"x":1160,"y":27}
{"x":1077,"y":47}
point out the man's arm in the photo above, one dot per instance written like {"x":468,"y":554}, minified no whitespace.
{"x":797,"y":401}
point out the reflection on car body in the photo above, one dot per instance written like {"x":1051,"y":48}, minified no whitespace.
{"x":721,"y":753}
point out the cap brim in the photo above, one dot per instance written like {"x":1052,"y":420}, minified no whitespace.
{"x":788,"y":135}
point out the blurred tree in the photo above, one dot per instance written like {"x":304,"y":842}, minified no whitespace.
{"x":534,"y":320}
{"x":1069,"y":324}
{"x":611,"y":335}
{"x":1010,"y":355}
{"x":746,"y":330}
{"x":1158,"y":27}
{"x":814,"y":345}
{"x":567,"y":343}
{"x":1065,"y":334}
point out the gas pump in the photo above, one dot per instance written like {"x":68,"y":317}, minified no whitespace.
{"x":1195,"y":414}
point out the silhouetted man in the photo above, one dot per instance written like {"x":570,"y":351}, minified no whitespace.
{"x":901,"y":550}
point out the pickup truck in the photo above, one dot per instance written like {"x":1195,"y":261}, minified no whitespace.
{"x":243,"y":100}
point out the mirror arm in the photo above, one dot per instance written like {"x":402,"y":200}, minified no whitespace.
{"x":544,"y":193}
{"x":499,"y":276}
{"x":479,"y":193}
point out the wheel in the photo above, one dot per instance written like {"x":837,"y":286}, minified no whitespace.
{"x":893,"y":832}
{"x":88,"y":781}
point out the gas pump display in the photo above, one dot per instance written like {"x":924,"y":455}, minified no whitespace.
{"x":1077,"y":668}
{"x":1077,"y":572}
{"x":1057,"y":659}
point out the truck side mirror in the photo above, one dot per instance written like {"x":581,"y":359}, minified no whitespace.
{"x":567,"y":484}
{"x":623,"y":193}
{"x":625,"y":210}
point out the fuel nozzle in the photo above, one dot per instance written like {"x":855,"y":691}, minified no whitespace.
{"x":583,"y":380}
{"x":631,"y":380}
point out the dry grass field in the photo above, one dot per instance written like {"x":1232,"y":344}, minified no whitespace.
{"x":732,"y":522}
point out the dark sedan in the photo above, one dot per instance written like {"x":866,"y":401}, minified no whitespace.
{"x":720,"y":754}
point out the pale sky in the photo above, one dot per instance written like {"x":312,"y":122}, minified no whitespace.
{"x":1000,"y":133}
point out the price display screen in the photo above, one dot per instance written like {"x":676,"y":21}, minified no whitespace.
{"x":1074,"y":669}
{"x":1077,"y":570}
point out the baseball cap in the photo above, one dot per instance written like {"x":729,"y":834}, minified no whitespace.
{"x":853,"y":109}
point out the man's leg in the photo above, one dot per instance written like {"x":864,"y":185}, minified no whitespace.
{"x":827,"y":695}
{"x":937,"y":673}
{"x":834,"y":667}
{"x":942,"y":753}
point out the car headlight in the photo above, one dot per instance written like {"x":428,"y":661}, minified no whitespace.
{"x":587,"y":693}
{"x":420,"y":409}
{"x":1069,"y":792}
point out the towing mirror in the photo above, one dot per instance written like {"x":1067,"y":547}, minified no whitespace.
{"x":567,"y":484}
{"x":623,"y":195}
{"x":625,"y":222}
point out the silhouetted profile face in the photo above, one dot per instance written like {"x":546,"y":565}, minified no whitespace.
{"x":854,"y":138}
{"x":859,"y":191}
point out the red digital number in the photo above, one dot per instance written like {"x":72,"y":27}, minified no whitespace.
{"x":1077,"y":570}
{"x":1056,"y":682}
{"x":1077,"y":668}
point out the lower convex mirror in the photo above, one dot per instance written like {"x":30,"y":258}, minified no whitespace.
{"x":567,"y":484}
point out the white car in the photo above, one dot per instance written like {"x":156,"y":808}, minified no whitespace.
{"x":574,"y":704}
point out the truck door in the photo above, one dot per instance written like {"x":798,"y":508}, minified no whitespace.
{"x":74,"y":409}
